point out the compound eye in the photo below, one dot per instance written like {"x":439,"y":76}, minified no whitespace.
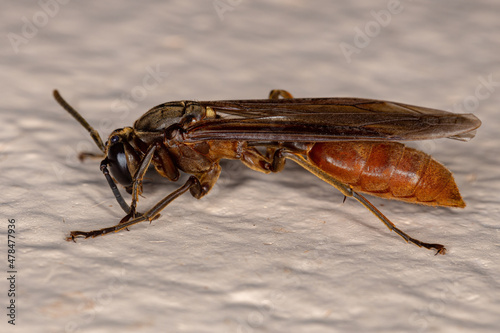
{"x":117,"y":161}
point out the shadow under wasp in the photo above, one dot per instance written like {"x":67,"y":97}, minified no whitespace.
{"x":350,"y":143}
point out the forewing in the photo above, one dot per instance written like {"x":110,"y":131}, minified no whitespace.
{"x":329,"y":119}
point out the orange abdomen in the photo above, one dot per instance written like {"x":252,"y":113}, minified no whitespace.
{"x":389,"y":170}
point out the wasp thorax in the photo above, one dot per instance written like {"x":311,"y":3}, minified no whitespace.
{"x":161,"y":117}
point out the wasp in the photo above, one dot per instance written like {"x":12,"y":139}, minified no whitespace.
{"x":353,"y":144}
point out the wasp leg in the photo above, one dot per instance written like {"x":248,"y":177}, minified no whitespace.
{"x":150,"y":215}
{"x":274,"y":160}
{"x":206,"y":181}
{"x":278,"y":159}
{"x":138,"y":177}
{"x":253,"y":159}
{"x":348,"y":192}
{"x":198,"y":185}
{"x":277,"y":93}
{"x":136,"y":185}
{"x":114,"y":189}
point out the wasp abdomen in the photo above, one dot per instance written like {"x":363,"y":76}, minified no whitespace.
{"x":389,"y":170}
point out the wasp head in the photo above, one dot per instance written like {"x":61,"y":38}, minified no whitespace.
{"x":120,"y":157}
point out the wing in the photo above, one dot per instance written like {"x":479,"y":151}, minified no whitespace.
{"x":328,"y":119}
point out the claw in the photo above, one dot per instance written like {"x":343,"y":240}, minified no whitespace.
{"x":70,"y":238}
{"x":440,"y":249}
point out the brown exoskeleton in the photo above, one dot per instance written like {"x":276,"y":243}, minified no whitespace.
{"x":350,"y":143}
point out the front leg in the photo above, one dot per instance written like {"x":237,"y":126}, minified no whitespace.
{"x":150,"y":215}
{"x":136,"y":187}
{"x":198,"y":185}
{"x":138,"y":178}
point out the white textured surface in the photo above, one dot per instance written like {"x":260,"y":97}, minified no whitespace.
{"x":261,"y":253}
